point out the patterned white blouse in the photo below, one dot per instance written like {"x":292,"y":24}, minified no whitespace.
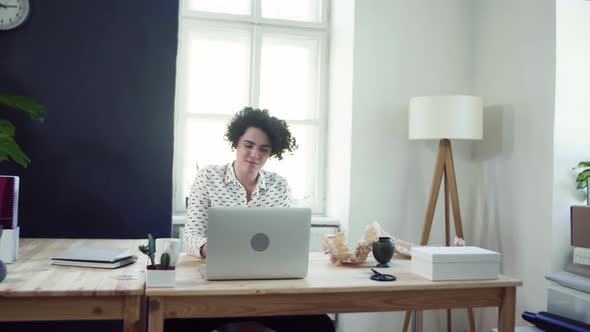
{"x":218,"y":186}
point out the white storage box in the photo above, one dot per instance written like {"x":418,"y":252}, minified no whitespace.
{"x":9,"y":245}
{"x":455,"y":263}
{"x":569,"y":303}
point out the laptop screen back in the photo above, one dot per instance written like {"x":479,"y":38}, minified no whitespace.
{"x":257,"y":243}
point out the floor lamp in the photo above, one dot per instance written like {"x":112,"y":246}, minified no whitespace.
{"x":444,"y":118}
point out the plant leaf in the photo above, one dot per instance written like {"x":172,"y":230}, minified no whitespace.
{"x":28,"y":105}
{"x":583,"y":164}
{"x":9,"y":148}
{"x":6,"y":128}
{"x":582,"y":185}
{"x":583,"y":175}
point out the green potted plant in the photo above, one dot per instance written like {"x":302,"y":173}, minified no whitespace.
{"x":9,"y":149}
{"x":583,"y":178}
{"x":157,"y":275}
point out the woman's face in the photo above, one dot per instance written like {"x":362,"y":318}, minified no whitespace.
{"x":253,"y":150}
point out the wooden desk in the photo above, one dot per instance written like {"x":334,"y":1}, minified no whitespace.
{"x":36,"y":290}
{"x":327,"y":288}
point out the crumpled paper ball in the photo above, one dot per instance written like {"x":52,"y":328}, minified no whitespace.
{"x":337,"y":247}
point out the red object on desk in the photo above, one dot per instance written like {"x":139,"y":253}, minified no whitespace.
{"x":9,"y":201}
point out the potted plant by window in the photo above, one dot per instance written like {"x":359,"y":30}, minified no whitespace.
{"x":158,"y":275}
{"x":583,"y":178}
{"x":10,"y":150}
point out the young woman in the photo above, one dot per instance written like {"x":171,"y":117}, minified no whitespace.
{"x":256,"y":136}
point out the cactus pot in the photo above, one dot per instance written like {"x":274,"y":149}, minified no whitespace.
{"x":160,"y":278}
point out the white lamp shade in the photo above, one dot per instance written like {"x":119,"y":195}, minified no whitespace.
{"x":451,"y":117}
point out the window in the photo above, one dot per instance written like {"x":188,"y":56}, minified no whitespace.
{"x":268,"y":54}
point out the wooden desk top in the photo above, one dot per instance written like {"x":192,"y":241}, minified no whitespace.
{"x":323,"y":277}
{"x":34,"y":275}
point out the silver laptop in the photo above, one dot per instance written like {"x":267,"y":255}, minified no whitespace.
{"x":257,"y":243}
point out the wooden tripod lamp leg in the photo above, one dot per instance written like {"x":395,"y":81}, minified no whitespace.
{"x":444,"y":167}
{"x":453,"y":192}
{"x":439,"y":168}
{"x":450,"y":171}
{"x":447,"y":229}
{"x":407,"y":320}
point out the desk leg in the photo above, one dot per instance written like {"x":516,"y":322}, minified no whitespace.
{"x":507,"y":310}
{"x":156,"y":316}
{"x":134,"y":319}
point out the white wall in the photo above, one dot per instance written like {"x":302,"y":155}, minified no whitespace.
{"x":503,"y":50}
{"x":403,"y":48}
{"x":572,"y":118}
{"x":514,"y":70}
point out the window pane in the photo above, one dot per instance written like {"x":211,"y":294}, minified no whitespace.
{"x":299,"y":10}
{"x":217,"y":69}
{"x":300,"y":168}
{"x":238,"y":7}
{"x":289,"y":76}
{"x":204,"y":145}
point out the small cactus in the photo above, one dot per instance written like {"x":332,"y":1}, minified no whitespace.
{"x":150,"y":249}
{"x":165,"y":260}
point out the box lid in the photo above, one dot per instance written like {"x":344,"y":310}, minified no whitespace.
{"x":455,"y":254}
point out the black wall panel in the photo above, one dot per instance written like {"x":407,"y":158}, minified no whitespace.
{"x":101,"y":163}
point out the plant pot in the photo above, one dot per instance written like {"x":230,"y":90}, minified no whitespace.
{"x":3,"y":270}
{"x":160,"y":278}
{"x":9,"y":245}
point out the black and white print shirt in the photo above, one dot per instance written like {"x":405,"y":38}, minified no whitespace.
{"x":218,"y":186}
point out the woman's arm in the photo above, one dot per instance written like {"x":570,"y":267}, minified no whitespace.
{"x":195,"y":227}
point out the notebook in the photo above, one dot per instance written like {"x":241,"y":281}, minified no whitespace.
{"x":99,"y":257}
{"x":257,"y":243}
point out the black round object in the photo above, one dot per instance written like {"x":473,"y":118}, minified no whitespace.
{"x":383,"y":277}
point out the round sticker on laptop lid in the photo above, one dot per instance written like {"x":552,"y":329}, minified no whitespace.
{"x":259,"y":242}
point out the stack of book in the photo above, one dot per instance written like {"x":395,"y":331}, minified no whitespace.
{"x":571,"y":296}
{"x":97,"y":257}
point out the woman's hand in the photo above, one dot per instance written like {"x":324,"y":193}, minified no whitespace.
{"x":204,"y":251}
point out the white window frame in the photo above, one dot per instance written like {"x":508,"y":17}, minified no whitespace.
{"x":258,"y":25}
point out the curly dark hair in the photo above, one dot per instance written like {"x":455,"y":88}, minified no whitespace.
{"x":276,"y":129}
